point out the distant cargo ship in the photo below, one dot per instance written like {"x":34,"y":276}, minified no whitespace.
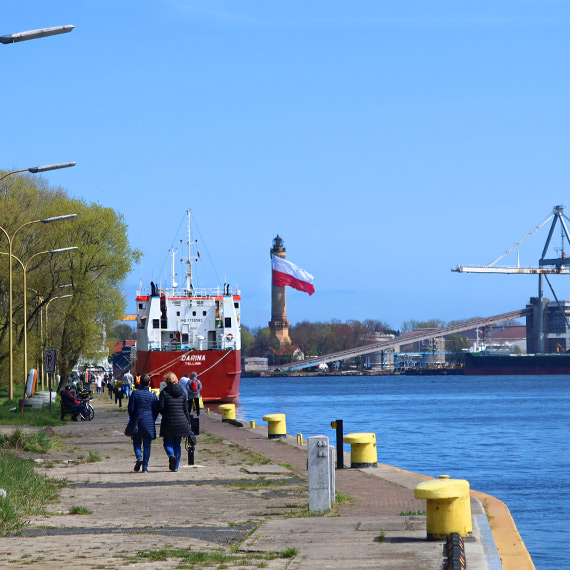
{"x":480,"y":364}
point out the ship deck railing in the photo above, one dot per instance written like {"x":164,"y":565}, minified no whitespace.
{"x":186,"y":347}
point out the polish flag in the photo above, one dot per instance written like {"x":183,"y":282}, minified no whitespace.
{"x":286,"y":274}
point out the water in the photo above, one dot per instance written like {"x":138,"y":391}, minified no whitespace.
{"x":508,"y":436}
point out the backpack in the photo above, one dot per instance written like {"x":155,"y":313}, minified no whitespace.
{"x":194,"y":386}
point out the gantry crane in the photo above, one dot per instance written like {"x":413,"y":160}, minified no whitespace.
{"x":546,"y":266}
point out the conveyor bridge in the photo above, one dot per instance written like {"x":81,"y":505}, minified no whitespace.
{"x":394,"y":344}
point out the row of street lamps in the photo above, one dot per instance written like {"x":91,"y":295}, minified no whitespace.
{"x":10,"y":39}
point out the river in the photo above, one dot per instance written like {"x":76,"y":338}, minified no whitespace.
{"x":508,"y":436}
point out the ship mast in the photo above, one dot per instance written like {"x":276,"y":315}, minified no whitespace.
{"x":189,"y":243}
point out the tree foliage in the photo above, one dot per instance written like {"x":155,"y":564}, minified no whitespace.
{"x":316,"y":338}
{"x":95,"y":272}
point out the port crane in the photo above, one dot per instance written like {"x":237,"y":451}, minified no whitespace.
{"x":546,"y":265}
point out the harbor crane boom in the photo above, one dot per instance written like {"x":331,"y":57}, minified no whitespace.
{"x":546,"y":266}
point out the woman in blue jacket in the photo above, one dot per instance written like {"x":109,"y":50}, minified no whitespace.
{"x":143,"y":404}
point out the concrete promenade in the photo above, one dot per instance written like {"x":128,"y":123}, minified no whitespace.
{"x":242,"y":505}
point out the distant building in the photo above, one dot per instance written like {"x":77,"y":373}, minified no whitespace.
{"x":555,"y":325}
{"x":255,"y":364}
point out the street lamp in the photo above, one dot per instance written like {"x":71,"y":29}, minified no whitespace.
{"x":34,"y":34}
{"x":36,"y":169}
{"x":25,"y":268}
{"x":46,"y":309}
{"x":42,"y":342}
{"x":11,"y":317}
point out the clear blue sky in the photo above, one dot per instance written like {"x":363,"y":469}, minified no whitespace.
{"x":386,"y":141}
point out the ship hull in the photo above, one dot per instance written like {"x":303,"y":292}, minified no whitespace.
{"x":218,"y":370}
{"x":532,"y":364}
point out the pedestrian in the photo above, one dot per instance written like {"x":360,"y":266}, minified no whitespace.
{"x":127,"y":383}
{"x":175,"y":423}
{"x":119,"y":393}
{"x":99,"y":383}
{"x":71,"y":404}
{"x":143,"y":404}
{"x":110,"y":387}
{"x":194,"y":387}
{"x":184,"y":384}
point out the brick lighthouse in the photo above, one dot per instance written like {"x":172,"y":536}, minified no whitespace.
{"x":278,"y":325}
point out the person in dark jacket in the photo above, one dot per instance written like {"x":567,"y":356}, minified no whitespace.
{"x":175,"y":423}
{"x":143,"y":404}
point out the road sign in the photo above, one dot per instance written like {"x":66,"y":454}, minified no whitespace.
{"x":50,"y":361}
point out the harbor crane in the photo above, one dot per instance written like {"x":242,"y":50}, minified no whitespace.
{"x":546,"y":265}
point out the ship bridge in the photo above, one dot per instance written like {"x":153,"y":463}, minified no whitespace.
{"x":394,"y":344}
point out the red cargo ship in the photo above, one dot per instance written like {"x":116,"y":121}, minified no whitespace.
{"x":191,"y":330}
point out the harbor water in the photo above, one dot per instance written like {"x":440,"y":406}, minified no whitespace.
{"x":508,"y":436}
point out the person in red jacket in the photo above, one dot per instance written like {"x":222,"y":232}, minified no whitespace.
{"x":70,"y":402}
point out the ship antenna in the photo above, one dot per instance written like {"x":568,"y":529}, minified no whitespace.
{"x":173,"y":275}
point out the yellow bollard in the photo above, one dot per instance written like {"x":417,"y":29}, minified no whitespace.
{"x":363,"y":451}
{"x":276,"y":428}
{"x":252,"y":424}
{"x":228,"y":412}
{"x":208,"y":411}
{"x":448,"y":506}
{"x":300,"y":439}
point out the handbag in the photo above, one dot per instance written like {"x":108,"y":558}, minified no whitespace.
{"x":132,"y":428}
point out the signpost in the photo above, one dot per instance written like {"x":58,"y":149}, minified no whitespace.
{"x":50,"y":360}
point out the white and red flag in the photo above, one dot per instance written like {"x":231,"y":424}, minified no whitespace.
{"x":287,"y":274}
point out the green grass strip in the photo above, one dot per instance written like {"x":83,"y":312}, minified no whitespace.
{"x":26,"y":491}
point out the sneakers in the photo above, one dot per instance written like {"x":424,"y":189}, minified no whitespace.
{"x":138,"y":464}
{"x":145,"y":470}
{"x":172,"y":463}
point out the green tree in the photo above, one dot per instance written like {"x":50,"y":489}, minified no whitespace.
{"x":95,"y":271}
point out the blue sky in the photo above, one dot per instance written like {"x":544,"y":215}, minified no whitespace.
{"x":386,"y":141}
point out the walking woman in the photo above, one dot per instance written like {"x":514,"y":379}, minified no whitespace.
{"x":175,"y":423}
{"x":143,"y":404}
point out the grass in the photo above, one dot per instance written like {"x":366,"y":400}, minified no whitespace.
{"x":342,"y":498}
{"x":79,"y":511}
{"x":38,"y":442}
{"x":219,"y":558}
{"x":31,"y":416}
{"x":93,"y":458}
{"x":26,"y":491}
{"x":412,"y":513}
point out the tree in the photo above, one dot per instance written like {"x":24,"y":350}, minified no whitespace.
{"x":120,"y":332}
{"x":95,"y":271}
{"x":408,"y":326}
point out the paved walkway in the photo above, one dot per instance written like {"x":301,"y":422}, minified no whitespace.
{"x":243,"y":489}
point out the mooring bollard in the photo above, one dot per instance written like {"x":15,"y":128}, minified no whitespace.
{"x":338,"y":426}
{"x":363,"y":452}
{"x":320,"y":478}
{"x":448,"y":506}
{"x":251,"y":424}
{"x":276,"y":426}
{"x":300,"y":439}
{"x":228,"y":412}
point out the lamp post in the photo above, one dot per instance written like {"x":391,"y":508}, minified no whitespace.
{"x":42,"y":342}
{"x":46,"y":309}
{"x":25,"y":268}
{"x":34,"y":34}
{"x":11,"y":318}
{"x":36,"y":169}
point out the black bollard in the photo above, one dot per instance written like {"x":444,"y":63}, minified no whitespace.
{"x":339,"y":445}
{"x":190,"y":453}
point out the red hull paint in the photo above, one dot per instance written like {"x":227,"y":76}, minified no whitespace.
{"x":218,"y":370}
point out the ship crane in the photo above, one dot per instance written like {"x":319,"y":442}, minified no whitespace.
{"x":546,"y":265}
